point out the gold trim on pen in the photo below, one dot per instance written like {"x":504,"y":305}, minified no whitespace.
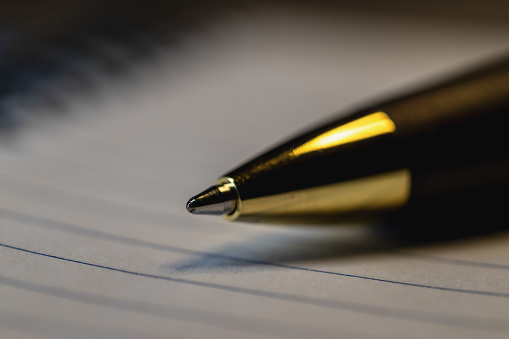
{"x":366,"y":127}
{"x":378,"y":192}
{"x":357,"y":196}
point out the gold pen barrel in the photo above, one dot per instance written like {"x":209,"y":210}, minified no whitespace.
{"x":337,"y":172}
{"x":312,"y":193}
{"x":356,"y":199}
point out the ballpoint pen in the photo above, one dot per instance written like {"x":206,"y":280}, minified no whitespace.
{"x":448,"y":139}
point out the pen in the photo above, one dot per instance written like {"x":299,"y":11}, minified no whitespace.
{"x":450,"y":139}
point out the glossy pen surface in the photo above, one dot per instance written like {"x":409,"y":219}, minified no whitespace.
{"x":447,"y":139}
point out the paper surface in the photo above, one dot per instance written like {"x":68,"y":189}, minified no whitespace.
{"x":95,"y":241}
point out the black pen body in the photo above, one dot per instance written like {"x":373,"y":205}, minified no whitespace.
{"x":420,"y":149}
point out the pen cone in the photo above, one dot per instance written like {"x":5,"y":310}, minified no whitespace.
{"x":216,"y":200}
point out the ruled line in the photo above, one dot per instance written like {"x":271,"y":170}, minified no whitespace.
{"x":66,"y":227}
{"x":161,"y":219}
{"x":387,"y":312}
{"x":458,"y":262}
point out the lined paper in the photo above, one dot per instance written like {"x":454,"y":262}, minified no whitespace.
{"x":96,"y":242}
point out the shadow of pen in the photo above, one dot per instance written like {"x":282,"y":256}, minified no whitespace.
{"x":441,"y":220}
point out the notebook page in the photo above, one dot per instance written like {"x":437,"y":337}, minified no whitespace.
{"x":95,"y":239}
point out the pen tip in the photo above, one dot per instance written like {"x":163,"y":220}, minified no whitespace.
{"x":190,"y":206}
{"x":216,"y":200}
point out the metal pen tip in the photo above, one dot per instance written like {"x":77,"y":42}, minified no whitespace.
{"x":190,"y":206}
{"x":215,"y":200}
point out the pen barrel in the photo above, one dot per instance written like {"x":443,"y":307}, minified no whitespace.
{"x":447,"y":140}
{"x":467,"y":96}
{"x":456,"y":134}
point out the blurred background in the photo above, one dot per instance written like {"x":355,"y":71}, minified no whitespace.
{"x":297,"y":62}
{"x":54,"y":48}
